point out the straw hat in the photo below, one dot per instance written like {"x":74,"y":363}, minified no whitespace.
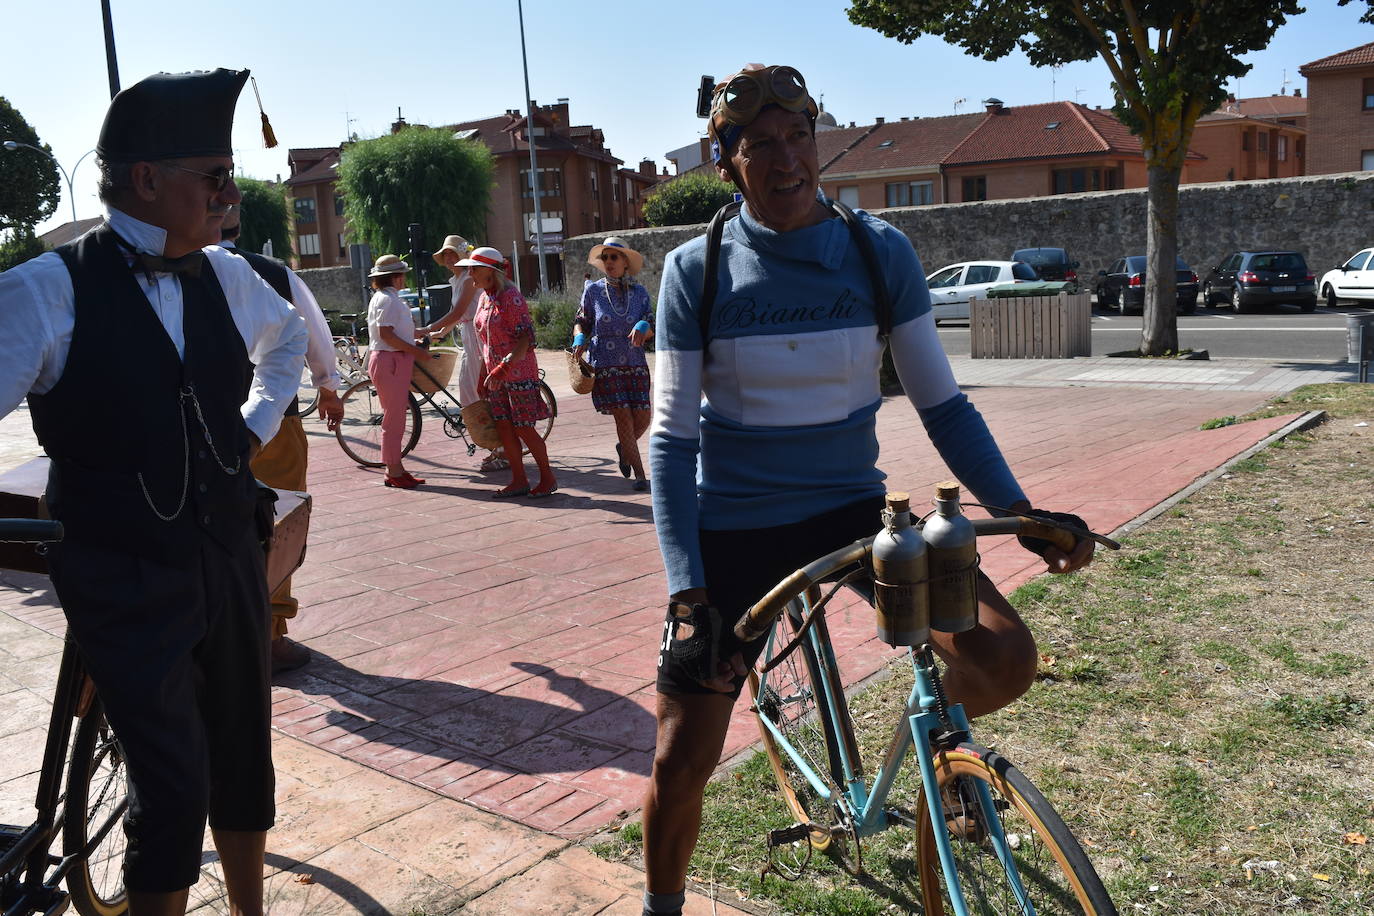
{"x":388,"y":264}
{"x":635,"y":259}
{"x":456,"y":244}
{"x":484,"y":257}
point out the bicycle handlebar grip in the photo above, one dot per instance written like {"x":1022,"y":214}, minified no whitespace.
{"x":30,"y":530}
{"x":760,"y":617}
{"x":1060,"y":538}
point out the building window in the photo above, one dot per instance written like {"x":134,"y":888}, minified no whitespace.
{"x":343,"y":246}
{"x":305,"y":210}
{"x":1245,"y":141}
{"x":849,"y":195}
{"x":591,"y":181}
{"x":1367,"y":160}
{"x":310,"y":244}
{"x":550,"y":183}
{"x":546,"y":214}
{"x":975,"y":188}
{"x":910,"y":193}
{"x":1076,"y":181}
{"x":1281,"y":146}
{"x":338,"y":205}
{"x":1264,"y":143}
{"x":1368,"y":94}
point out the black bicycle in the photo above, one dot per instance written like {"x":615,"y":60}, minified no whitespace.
{"x":85,"y":811}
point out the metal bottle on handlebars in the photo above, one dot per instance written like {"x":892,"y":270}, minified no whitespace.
{"x":899,"y":574}
{"x":952,"y":546}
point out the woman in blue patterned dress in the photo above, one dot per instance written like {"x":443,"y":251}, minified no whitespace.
{"x":614,"y":323}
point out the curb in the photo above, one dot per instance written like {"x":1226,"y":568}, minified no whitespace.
{"x":1308,"y":420}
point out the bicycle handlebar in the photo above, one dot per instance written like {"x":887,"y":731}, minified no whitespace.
{"x":29,"y":531}
{"x":756,"y":622}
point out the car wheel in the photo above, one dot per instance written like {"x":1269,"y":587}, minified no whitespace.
{"x":1207,"y":299}
{"x":1238,"y":300}
{"x":1330,"y":296}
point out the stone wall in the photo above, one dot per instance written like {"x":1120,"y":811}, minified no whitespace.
{"x":1327,"y":217}
{"x":335,"y":288}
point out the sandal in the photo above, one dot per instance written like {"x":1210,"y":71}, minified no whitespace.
{"x":493,"y":462}
{"x":509,"y":493}
{"x":538,"y":493}
{"x":404,"y":482}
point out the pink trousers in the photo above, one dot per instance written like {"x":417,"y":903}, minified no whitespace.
{"x":390,"y":371}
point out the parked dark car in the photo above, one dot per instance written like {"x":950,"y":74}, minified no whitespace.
{"x":1050,"y":264}
{"x":1123,"y":286}
{"x":1246,"y":279}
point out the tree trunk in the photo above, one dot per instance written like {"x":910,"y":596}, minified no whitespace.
{"x":1159,"y":323}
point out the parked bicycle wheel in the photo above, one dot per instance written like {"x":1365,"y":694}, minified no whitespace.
{"x":546,"y":426}
{"x":97,"y":792}
{"x":791,"y":697}
{"x":1054,"y":874}
{"x":307,"y":394}
{"x":360,"y":431}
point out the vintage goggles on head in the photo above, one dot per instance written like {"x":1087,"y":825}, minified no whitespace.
{"x":738,"y":101}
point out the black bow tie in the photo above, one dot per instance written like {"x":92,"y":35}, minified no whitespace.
{"x":188,"y":265}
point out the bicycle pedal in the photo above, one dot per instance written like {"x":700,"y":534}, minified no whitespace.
{"x":788,"y":835}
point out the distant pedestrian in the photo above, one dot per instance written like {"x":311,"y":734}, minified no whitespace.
{"x":463,"y":310}
{"x":391,"y":352}
{"x":613,"y":323}
{"x":511,"y":372}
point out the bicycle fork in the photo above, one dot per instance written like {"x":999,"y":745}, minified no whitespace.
{"x":937,"y":727}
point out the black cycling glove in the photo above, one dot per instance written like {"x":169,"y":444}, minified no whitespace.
{"x":1038,"y":546}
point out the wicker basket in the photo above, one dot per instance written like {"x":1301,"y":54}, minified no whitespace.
{"x":581,"y":375}
{"x":439,"y":365}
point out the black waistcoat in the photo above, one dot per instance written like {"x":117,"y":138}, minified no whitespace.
{"x":122,"y":427}
{"x":274,"y":272}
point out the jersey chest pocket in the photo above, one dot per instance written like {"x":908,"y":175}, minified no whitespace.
{"x":794,"y":379}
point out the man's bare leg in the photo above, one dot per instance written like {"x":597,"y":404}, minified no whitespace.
{"x":241,"y":855}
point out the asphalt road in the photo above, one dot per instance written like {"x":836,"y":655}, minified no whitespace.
{"x":1284,"y":333}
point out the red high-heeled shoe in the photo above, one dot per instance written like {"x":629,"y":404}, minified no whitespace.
{"x":404,"y":482}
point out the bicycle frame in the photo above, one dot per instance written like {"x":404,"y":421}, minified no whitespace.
{"x":926,"y":718}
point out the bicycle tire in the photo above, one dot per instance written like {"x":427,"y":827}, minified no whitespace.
{"x":545,"y":426}
{"x":360,"y":431}
{"x":307,"y":395}
{"x":97,"y":789}
{"x":786,"y":696}
{"x":1057,"y":876}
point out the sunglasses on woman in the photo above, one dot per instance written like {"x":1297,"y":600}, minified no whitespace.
{"x":609,"y":256}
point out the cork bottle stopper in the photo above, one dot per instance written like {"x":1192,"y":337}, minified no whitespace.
{"x":898,"y":501}
{"x":947,"y":490}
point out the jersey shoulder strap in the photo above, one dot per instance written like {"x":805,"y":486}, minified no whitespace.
{"x":715,"y":233}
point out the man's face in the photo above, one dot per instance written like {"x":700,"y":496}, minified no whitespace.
{"x":775,"y":163}
{"x":187,"y":205}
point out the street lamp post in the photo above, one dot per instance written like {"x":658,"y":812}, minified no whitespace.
{"x":13,"y":145}
{"x":534,"y":161}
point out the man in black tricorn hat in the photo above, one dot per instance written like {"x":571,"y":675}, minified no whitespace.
{"x":161,"y":572}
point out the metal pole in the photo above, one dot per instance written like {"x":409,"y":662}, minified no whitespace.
{"x":110,"y":62}
{"x":534,"y":161}
{"x":515,"y":258}
{"x":13,"y":145}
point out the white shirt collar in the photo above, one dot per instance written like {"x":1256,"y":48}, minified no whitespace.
{"x":146,"y":238}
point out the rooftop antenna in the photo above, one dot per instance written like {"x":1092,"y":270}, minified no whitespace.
{"x":1283,"y":89}
{"x":957,"y":102}
{"x":348,"y":126}
{"x":1054,"y":73}
{"x":1077,"y":93}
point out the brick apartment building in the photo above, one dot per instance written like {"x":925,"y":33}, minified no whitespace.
{"x":1340,"y":90}
{"x":1247,"y":139}
{"x":582,"y":184}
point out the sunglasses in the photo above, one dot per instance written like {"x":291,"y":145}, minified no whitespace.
{"x":220,"y":177}
{"x":609,"y":256}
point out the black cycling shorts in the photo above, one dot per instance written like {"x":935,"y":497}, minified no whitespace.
{"x":742,"y":566}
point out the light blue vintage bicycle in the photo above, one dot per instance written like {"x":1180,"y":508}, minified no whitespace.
{"x":987,"y":841}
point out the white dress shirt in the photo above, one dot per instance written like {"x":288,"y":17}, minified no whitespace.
{"x":319,"y":350}
{"x":38,"y":312}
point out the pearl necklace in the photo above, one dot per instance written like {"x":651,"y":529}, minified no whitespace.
{"x":625,"y":300}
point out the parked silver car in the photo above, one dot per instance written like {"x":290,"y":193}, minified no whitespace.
{"x":952,"y":287}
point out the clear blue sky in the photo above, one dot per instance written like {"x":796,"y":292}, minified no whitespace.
{"x":627,"y":67}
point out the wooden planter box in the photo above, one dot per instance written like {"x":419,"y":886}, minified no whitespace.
{"x":1031,"y":327}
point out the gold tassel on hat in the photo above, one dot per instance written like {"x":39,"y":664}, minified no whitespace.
{"x":269,"y":138}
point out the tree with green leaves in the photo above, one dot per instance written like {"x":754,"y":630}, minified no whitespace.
{"x":29,"y":181}
{"x":264,"y":217}
{"x":419,"y":175}
{"x":18,"y":246}
{"x":1169,"y":60}
{"x":687,"y":200}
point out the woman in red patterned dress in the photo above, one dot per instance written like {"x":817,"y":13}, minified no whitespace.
{"x":510,"y":372}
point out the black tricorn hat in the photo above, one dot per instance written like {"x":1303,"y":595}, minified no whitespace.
{"x":172,"y":116}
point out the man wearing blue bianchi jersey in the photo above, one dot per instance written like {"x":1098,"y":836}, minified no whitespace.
{"x":763,"y":446}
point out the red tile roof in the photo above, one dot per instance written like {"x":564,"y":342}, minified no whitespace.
{"x":327,"y":169}
{"x":832,"y":144}
{"x":499,"y":135}
{"x":905,"y":144}
{"x":1269,"y":107}
{"x":1363,"y":56}
{"x":1023,"y":132}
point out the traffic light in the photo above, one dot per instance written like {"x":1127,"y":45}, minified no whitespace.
{"x":708,"y":86}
